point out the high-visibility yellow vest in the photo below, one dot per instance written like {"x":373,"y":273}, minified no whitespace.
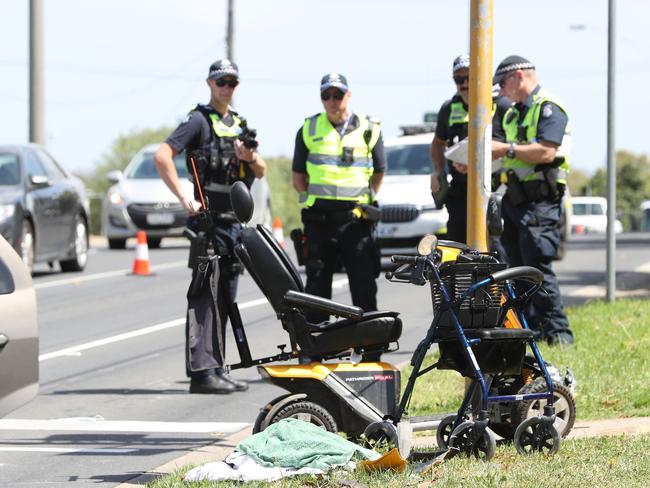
{"x":526,"y":171}
{"x":333,"y":175}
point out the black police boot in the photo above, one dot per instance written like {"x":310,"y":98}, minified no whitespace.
{"x":237,"y":384}
{"x":210,"y":383}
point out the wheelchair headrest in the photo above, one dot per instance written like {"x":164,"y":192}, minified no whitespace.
{"x":241,"y":201}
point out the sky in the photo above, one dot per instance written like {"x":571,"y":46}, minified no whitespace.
{"x":115,"y":66}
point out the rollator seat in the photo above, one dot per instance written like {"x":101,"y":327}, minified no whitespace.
{"x":494,"y":334}
{"x":279,"y":280}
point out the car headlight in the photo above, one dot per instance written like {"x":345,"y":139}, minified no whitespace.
{"x":115,"y":198}
{"x":7,"y":211}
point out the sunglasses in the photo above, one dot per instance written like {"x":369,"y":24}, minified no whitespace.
{"x":230,"y":83}
{"x":337,"y":95}
{"x":459,"y":80}
{"x":504,"y":79}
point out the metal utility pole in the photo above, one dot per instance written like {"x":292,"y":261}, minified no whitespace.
{"x":230,"y":29}
{"x":479,"y":183}
{"x":36,"y":73}
{"x":611,"y":153}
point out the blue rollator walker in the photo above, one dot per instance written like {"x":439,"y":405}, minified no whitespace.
{"x":468,"y":326}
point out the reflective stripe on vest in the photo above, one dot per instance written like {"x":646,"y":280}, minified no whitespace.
{"x":330,"y":177}
{"x":458,"y":114}
{"x":526,"y":171}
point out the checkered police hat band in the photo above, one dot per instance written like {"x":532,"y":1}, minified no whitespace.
{"x":514,"y":67}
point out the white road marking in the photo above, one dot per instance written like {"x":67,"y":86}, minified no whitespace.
{"x":76,"y":350}
{"x":68,"y":450}
{"x":99,"y":276}
{"x":91,"y":424}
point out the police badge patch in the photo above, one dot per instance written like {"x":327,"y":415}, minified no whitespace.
{"x":547,"y":111}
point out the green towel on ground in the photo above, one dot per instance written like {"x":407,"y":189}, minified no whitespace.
{"x":292,"y":443}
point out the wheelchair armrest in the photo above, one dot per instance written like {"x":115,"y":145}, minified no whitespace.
{"x":314,"y":302}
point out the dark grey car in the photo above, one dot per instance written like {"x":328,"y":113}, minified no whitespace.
{"x":43,"y":208}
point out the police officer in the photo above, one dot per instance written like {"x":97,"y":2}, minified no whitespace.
{"x":216,"y":157}
{"x":535,"y":164}
{"x":338,"y":166}
{"x":451,"y":128}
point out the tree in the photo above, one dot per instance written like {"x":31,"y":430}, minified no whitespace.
{"x":632,"y":186}
{"x":578,"y":182}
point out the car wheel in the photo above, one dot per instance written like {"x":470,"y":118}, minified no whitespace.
{"x":116,"y":243}
{"x":80,"y":251}
{"x":154,"y":242}
{"x":27,"y":245}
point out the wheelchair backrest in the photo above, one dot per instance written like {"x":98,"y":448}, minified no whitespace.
{"x":269,"y":265}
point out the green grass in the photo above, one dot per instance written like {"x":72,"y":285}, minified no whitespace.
{"x":610,"y":362}
{"x":622,"y":461}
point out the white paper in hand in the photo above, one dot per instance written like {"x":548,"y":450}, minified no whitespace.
{"x":458,"y":153}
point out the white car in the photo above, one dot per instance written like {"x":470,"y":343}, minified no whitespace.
{"x":140,"y":200}
{"x":589,"y":216}
{"x":407,"y":208}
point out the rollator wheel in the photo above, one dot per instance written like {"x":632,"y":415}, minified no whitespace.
{"x":309,"y":412}
{"x":381,"y":432}
{"x":461,"y":439}
{"x":444,"y":431}
{"x":563,"y":401}
{"x":533,"y":435}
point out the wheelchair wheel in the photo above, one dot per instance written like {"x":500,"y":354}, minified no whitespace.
{"x":461,"y":439}
{"x":309,"y":412}
{"x":533,"y":435}
{"x":563,"y":401}
{"x":444,"y":431}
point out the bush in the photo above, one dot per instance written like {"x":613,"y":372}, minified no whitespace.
{"x":284,"y":199}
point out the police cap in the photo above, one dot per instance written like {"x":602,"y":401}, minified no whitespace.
{"x":221,"y":68}
{"x":510,"y":64}
{"x":334,"y":80}
{"x":460,"y":62}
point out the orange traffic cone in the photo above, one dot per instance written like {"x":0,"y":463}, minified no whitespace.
{"x":278,"y":233}
{"x":141,"y":263}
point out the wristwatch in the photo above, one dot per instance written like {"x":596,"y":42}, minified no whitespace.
{"x":510,"y":153}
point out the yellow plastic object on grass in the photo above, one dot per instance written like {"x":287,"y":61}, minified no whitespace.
{"x":389,"y":461}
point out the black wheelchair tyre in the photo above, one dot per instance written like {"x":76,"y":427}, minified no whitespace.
{"x":484,"y":448}
{"x":528,"y":439}
{"x":309,"y":412}
{"x":444,"y":431}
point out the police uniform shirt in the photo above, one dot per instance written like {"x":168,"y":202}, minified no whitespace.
{"x":301,"y":153}
{"x":194,"y":131}
{"x":442,"y":126}
{"x":552,"y":119}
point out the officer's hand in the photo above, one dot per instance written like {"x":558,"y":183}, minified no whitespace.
{"x":243,"y":153}
{"x":191,"y":206}
{"x":435,"y":183}
{"x":461,"y":168}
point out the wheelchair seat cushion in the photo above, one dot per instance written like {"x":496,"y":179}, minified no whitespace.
{"x":373,"y":330}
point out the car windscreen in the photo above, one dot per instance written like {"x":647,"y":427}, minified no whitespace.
{"x":9,"y":169}
{"x":145,"y":168}
{"x":412,"y":159}
{"x":588,"y":209}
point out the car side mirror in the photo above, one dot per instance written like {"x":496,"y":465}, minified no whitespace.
{"x":114,"y":176}
{"x":40,"y":181}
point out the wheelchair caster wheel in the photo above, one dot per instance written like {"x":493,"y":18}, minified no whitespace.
{"x":534,"y":435}
{"x":444,"y":431}
{"x":381,"y":432}
{"x":462,"y":438}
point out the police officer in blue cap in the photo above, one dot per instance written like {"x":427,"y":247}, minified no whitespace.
{"x":534,"y":168}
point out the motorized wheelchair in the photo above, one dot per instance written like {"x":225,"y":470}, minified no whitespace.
{"x":331,"y":385}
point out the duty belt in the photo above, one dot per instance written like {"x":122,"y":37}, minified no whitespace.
{"x":320,"y":216}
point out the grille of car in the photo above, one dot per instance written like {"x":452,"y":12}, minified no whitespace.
{"x":399,"y":213}
{"x":139,"y":211}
